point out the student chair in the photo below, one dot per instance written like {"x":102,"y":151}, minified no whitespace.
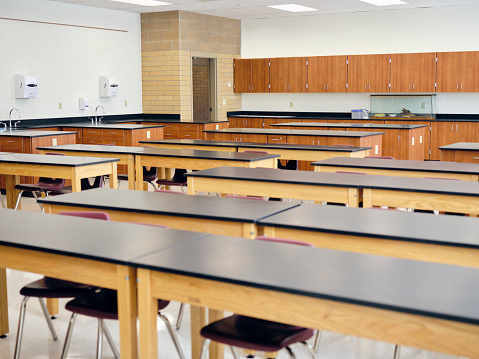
{"x":149,"y":176}
{"x":256,"y":334}
{"x":179,"y":179}
{"x":44,"y":185}
{"x":47,"y":287}
{"x":169,"y":191}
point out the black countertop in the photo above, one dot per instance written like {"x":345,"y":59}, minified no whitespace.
{"x":212,"y":155}
{"x":124,"y":126}
{"x":351,"y":125}
{"x":32,"y":133}
{"x":259,"y":131}
{"x":68,"y":161}
{"x":400,"y":165}
{"x":455,"y":231}
{"x":172,"y":204}
{"x":281,"y":176}
{"x":200,"y":122}
{"x":428,"y":289}
{"x":105,"y":241}
{"x":261,"y":145}
{"x":97,"y":148}
{"x":462,"y":146}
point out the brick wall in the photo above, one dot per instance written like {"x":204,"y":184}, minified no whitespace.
{"x":168,"y":40}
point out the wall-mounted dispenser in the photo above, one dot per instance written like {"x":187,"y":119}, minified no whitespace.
{"x":108,"y":86}
{"x":26,"y":86}
{"x":84,"y":103}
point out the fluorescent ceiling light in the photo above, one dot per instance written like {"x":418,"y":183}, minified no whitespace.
{"x":293,"y":8}
{"x":144,"y":2}
{"x":384,"y":2}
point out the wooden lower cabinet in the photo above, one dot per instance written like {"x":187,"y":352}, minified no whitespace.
{"x":22,"y":144}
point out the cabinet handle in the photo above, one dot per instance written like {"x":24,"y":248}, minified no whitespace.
{"x":187,"y":135}
{"x":252,"y":87}
{"x":365,"y":86}
{"x":324,"y":87}
{"x":327,"y":87}
{"x":457,"y":86}
{"x":313,"y":142}
{"x":456,"y":127}
{"x":275,"y":139}
{"x":452,"y":127}
{"x":475,"y":158}
{"x":461,"y":85}
{"x":413,"y":86}
{"x":289,"y":87}
{"x":370,"y":86}
{"x":10,"y":141}
{"x":285,"y":87}
{"x":409,"y":86}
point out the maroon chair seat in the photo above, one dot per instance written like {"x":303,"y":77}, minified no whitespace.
{"x":103,"y":304}
{"x":149,"y":175}
{"x":255,"y":334}
{"x":47,"y":287}
{"x":179,"y":179}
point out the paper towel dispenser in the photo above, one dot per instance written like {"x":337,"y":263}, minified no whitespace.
{"x":26,"y":86}
{"x":108,"y":86}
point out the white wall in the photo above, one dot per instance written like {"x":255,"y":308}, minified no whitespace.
{"x":448,"y":28}
{"x":68,"y":60}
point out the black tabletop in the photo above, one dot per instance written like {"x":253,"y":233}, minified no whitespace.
{"x":462,"y":146}
{"x":259,"y":131}
{"x":97,"y":148}
{"x":111,"y":126}
{"x":351,"y":125}
{"x":402,"y":226}
{"x":280,"y":176}
{"x":425,"y":185}
{"x":400,"y":165}
{"x":172,"y":204}
{"x":211,"y":155}
{"x":105,"y":241}
{"x":68,"y":161}
{"x":286,"y":146}
{"x":401,"y":285}
{"x":32,"y":133}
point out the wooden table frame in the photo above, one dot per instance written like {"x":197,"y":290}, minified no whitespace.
{"x":316,"y":193}
{"x":421,"y":200}
{"x":13,"y":171}
{"x":125,"y":159}
{"x":108,"y":275}
{"x":401,"y":328}
{"x":398,"y":173}
{"x":168,"y":162}
{"x":222,"y":227}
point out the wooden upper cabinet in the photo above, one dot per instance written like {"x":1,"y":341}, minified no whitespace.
{"x":317,"y":73}
{"x":242,"y":75}
{"x":337,"y":73}
{"x":288,"y":74}
{"x":424,"y":72}
{"x":297,"y":74}
{"x":358,"y":68}
{"x":279,"y":74}
{"x":260,"y":75}
{"x":379,"y":73}
{"x":469,"y":79}
{"x":448,"y":71}
{"x":401,"y":73}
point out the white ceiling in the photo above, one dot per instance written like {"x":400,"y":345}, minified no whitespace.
{"x":257,"y":9}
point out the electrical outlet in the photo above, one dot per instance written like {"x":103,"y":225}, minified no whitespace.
{"x":54,"y":141}
{"x":60,"y":105}
{"x":224,"y":102}
{"x":126,"y":103}
{"x":423,"y":105}
{"x":148,"y":135}
{"x":229,"y":83}
{"x":291,"y":104}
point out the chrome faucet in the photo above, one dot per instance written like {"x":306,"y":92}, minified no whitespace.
{"x":10,"y":116}
{"x":96,"y":110}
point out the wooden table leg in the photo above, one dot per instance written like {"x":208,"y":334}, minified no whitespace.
{"x":76,"y":180}
{"x":131,"y":172}
{"x":147,"y":313}
{"x":217,"y":350}
{"x":4,"y":327}
{"x":191,"y":186}
{"x":127,"y":312}
{"x":139,"y":173}
{"x":10,"y":191}
{"x":198,"y":321}
{"x":114,"y":175}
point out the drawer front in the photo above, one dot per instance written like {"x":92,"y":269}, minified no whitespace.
{"x":13,"y":144}
{"x":92,"y":141}
{"x":467,"y":156}
{"x":92,"y":132}
{"x":190,"y":134}
{"x":117,"y":135}
{"x":276,"y":138}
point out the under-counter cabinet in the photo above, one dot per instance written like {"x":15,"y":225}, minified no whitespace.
{"x":445,"y":133}
{"x":458,"y":71}
{"x":327,"y":74}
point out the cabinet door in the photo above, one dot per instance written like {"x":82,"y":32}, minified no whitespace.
{"x":358,"y":66}
{"x":297,"y":74}
{"x":448,"y":70}
{"x":466,"y":132}
{"x":424,"y":72}
{"x":317,"y":73}
{"x":469,"y":80}
{"x":378,"y":73}
{"x":279,"y":75}
{"x":242,"y":75}
{"x":260,"y":75}
{"x":442,"y":133}
{"x":337,"y":74}
{"x":401,"y":72}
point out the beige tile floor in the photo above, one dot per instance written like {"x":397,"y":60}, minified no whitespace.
{"x":38,"y":344}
